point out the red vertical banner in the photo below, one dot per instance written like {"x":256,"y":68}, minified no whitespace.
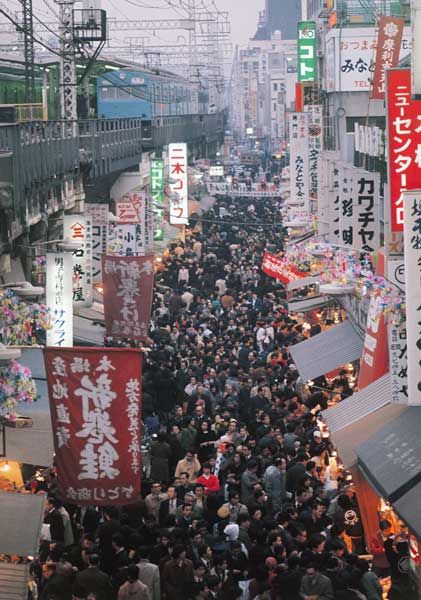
{"x":404,"y":141}
{"x":95,"y":402}
{"x":375,"y":358}
{"x":299,"y":97}
{"x":389,"y":40}
{"x":128,"y":289}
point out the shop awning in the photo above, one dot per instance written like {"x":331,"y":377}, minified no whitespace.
{"x":88,"y":332}
{"x":306,"y":304}
{"x":33,"y":445}
{"x":21,"y":517}
{"x":13,"y":581}
{"x":327,"y":351}
{"x":391,"y":459}
{"x":303,"y":282}
{"x":355,"y":419}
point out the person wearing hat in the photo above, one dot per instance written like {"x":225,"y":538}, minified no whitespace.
{"x":233,"y":508}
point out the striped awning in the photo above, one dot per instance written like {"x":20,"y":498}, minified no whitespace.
{"x":13,"y":581}
{"x":306,"y":304}
{"x":327,"y":351}
{"x":303,"y":282}
{"x":359,"y":405}
{"x":21,"y":520}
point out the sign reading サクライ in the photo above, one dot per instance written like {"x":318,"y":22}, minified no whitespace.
{"x":95,"y":401}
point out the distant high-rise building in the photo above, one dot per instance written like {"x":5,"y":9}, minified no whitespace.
{"x":280,"y":15}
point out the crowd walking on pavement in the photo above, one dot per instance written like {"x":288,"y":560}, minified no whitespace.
{"x":239,"y":501}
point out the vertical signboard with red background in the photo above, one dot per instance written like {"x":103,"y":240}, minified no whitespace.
{"x":389,"y":41}
{"x":128,"y":288}
{"x":404,"y":142}
{"x":179,"y":200}
{"x":95,"y":400}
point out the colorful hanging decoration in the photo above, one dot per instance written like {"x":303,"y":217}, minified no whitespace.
{"x":20,"y":321}
{"x":16,"y":385}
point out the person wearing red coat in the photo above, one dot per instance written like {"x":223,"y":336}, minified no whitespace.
{"x":210,"y":482}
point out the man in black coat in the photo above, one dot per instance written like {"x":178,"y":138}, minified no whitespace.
{"x":105,"y":534}
{"x":54,"y":519}
{"x":93,"y":581}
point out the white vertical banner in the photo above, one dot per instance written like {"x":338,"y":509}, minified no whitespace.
{"x":398,"y":362}
{"x":149,"y":225}
{"x":78,"y":228}
{"x":98,"y":214}
{"x":346,"y":207}
{"x":179,"y":199}
{"x":299,"y":156}
{"x":315,"y":141}
{"x":366,"y":211}
{"x":126,"y":239}
{"x":334,"y":188}
{"x":59,"y":298}
{"x":323,"y":198}
{"x":412,"y":254}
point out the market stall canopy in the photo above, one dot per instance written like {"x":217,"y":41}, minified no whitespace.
{"x":355,"y":419}
{"x":13,"y":581}
{"x":33,"y":445}
{"x":327,"y":351}
{"x":391,"y":459}
{"x":306,"y":304}
{"x":303,"y":282}
{"x":88,"y":325}
{"x":21,"y":517}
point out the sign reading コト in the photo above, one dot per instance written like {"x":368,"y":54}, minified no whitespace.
{"x":95,"y":401}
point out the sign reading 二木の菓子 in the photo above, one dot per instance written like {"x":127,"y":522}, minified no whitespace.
{"x":95,"y":402}
{"x":128,"y":288}
{"x":412,"y":255}
{"x":179,"y":200}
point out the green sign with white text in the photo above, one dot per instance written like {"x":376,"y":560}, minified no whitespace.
{"x":307,"y":52}
{"x":157,"y":194}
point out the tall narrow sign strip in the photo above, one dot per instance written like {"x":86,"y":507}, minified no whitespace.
{"x":412,"y":254}
{"x":299,"y":159}
{"x":128,"y":288}
{"x":95,"y":401}
{"x":404,"y":140}
{"x":59,"y":299}
{"x":179,"y":200}
{"x":98,"y":214}
{"x":389,"y":41}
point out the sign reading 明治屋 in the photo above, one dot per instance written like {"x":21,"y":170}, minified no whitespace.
{"x":78,"y":228}
{"x":128,"y":288}
{"x":157,"y":194}
{"x":299,"y":150}
{"x":306,"y":48}
{"x":179,"y":200}
{"x":95,"y":402}
{"x":404,"y":142}
{"x":98,"y":214}
{"x":389,"y":40}
{"x":59,"y":299}
{"x":412,"y":252}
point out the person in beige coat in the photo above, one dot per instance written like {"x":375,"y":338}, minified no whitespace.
{"x":189,"y":464}
{"x":133,"y":589}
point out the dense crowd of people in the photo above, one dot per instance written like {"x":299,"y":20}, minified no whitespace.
{"x":242,"y":498}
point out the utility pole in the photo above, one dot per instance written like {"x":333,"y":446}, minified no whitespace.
{"x":29,"y":51}
{"x":68,"y":87}
{"x":193,"y":74}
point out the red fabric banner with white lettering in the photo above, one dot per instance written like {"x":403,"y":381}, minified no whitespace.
{"x":389,"y":40}
{"x":95,"y":402}
{"x":128,"y":289}
{"x":278,"y":269}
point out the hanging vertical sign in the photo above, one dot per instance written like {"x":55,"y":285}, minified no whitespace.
{"x":335,"y":196}
{"x":128,"y":289}
{"x":315,"y":142}
{"x":366,"y":211}
{"x":157,"y":193}
{"x":299,"y":172}
{"x":179,"y":200}
{"x":346,"y":208}
{"x":149,"y":226}
{"x":59,"y":298}
{"x":306,"y":49}
{"x":95,"y":401}
{"x":412,"y":255}
{"x":398,"y":363}
{"x":389,"y":40}
{"x":404,"y":142}
{"x":98,"y":214}
{"x":375,"y":357}
{"x":78,"y":228}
